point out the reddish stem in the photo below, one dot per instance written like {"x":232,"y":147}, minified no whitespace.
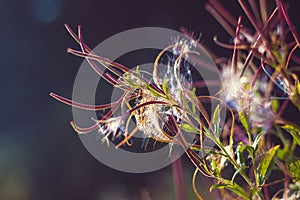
{"x":178,"y":179}
{"x":289,"y":22}
{"x":81,"y":105}
{"x":266,"y":192}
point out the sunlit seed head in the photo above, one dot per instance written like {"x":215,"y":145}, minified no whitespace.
{"x":235,"y":92}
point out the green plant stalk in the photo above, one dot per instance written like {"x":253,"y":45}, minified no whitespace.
{"x":234,"y":163}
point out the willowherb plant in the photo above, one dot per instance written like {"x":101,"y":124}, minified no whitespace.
{"x":257,"y":84}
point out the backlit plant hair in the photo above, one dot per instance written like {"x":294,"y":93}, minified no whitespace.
{"x":257,"y":84}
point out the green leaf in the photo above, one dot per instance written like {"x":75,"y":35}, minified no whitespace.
{"x":275,"y":105}
{"x":194,"y":91}
{"x":294,"y":166}
{"x":294,"y":131}
{"x":217,"y":185}
{"x":235,"y":174}
{"x":195,"y":148}
{"x":244,"y":121}
{"x":216,"y":117}
{"x":165,"y":86}
{"x":266,"y":165}
{"x":154,"y":92}
{"x":137,"y":70}
{"x":215,"y":168}
{"x":233,"y":187}
{"x":290,"y":127}
{"x":256,"y":141}
{"x":128,"y":79}
{"x":216,"y":121}
{"x":283,"y":153}
{"x":254,"y":191}
{"x":193,"y":103}
{"x":297,"y":87}
{"x":248,"y":148}
{"x":240,"y":149}
{"x":188,"y":128}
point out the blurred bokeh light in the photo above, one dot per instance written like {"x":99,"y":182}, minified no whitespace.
{"x":46,"y":10}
